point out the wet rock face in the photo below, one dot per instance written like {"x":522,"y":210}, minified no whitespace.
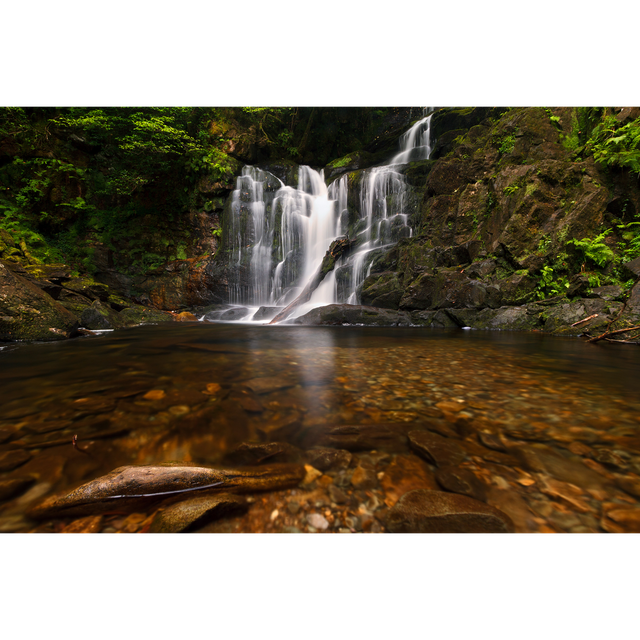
{"x":28,"y":313}
{"x":341,"y":314}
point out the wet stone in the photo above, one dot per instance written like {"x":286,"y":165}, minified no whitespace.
{"x":90,"y":524}
{"x":10,"y":460}
{"x":364,"y":437}
{"x":629,"y":484}
{"x":248,"y":453}
{"x":318,"y":521}
{"x":491,"y":441}
{"x":626,"y":520}
{"x":14,"y":486}
{"x":404,"y":474}
{"x":327,"y":459}
{"x":542,"y":458}
{"x":268,"y":384}
{"x":195,"y":512}
{"x":436,"y":449}
{"x":6,"y":433}
{"x":424,"y":511}
{"x":463,"y":481}
{"x":364,"y":477}
{"x":282,"y":426}
{"x":337,"y":495}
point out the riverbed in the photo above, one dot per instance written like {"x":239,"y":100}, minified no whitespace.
{"x":544,"y":429}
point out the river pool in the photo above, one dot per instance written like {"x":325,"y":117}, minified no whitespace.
{"x":548,"y":427}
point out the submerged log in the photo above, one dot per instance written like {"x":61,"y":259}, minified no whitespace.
{"x":338,"y":248}
{"x":137,"y":487}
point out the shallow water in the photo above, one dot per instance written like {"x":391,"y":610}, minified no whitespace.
{"x":194,"y":392}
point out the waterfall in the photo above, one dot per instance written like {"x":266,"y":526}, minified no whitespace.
{"x":279,"y":234}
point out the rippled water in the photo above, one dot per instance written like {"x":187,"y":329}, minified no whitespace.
{"x":194,"y":392}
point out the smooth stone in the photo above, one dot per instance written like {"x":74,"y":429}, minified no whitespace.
{"x":543,"y":459}
{"x":267,"y":384}
{"x":629,"y":485}
{"x":90,"y":524}
{"x":406,"y":473}
{"x":628,"y":519}
{"x":318,"y":521}
{"x":195,"y":512}
{"x":364,"y":477}
{"x":436,"y":449}
{"x":327,"y":459}
{"x":424,"y":511}
{"x":10,"y":460}
{"x":363,"y":437}
{"x":463,"y":481}
{"x":250,"y":453}
{"x":337,"y":495}
{"x":14,"y":486}
{"x":491,"y":441}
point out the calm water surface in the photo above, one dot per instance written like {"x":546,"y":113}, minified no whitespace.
{"x":194,"y":392}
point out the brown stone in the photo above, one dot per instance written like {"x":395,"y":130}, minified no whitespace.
{"x":510,"y":502}
{"x":491,"y":441}
{"x":14,"y":486}
{"x":195,"y":512}
{"x":404,"y":474}
{"x":364,"y":477}
{"x":629,"y":484}
{"x":249,"y":453}
{"x":463,"y":481}
{"x":362,"y":437}
{"x":326,"y":459}
{"x":12,"y":459}
{"x":543,"y":459}
{"x":626,"y":519}
{"x":268,"y":384}
{"x":424,"y":511}
{"x":436,"y":449}
{"x":571,"y":494}
{"x":90,"y":524}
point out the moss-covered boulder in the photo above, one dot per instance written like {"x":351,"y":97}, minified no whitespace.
{"x":28,"y":313}
{"x":143,"y":315}
{"x":101,"y":316}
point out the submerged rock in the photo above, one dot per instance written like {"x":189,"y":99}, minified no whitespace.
{"x":424,"y":511}
{"x":194,"y":512}
{"x":134,"y":487}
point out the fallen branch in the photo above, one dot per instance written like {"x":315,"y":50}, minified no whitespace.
{"x":575,"y":324}
{"x":607,"y":334}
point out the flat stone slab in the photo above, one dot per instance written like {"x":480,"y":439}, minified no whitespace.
{"x":194,"y":512}
{"x":424,"y":511}
{"x":436,"y":449}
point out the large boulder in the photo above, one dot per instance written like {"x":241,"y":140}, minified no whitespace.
{"x":28,"y":313}
{"x":341,"y":314}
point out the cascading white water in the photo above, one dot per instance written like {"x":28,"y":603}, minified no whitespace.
{"x":279,"y":234}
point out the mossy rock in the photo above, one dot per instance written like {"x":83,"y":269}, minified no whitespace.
{"x":143,"y":315}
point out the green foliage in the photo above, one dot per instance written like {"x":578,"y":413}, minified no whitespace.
{"x":551,"y":284}
{"x":595,"y":249}
{"x":507,"y":144}
{"x":511,"y":189}
{"x":616,"y":145}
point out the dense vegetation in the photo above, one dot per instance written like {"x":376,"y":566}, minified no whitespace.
{"x":72,"y":179}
